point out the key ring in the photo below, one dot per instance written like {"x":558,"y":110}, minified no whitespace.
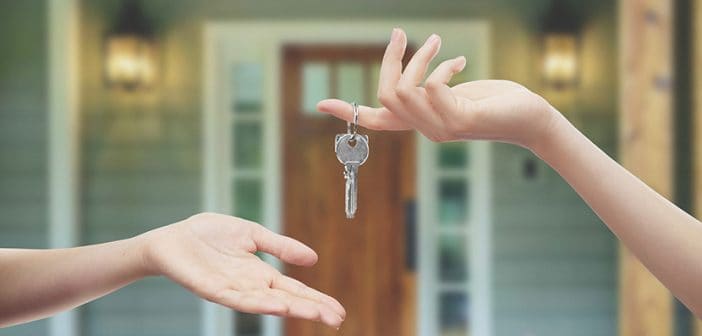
{"x":352,"y":127}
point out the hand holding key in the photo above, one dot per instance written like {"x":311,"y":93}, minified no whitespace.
{"x":484,"y":109}
{"x":506,"y":111}
{"x":352,"y":151}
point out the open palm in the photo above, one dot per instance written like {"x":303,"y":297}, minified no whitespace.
{"x":213,"y":256}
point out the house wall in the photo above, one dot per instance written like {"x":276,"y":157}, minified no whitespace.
{"x":554,"y":265}
{"x":23,"y":131}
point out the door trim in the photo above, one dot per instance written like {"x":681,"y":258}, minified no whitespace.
{"x":262,"y":41}
{"x":63,"y":140}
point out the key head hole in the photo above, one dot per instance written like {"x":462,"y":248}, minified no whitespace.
{"x":352,"y":143}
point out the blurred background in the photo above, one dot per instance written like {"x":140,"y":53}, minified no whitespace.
{"x":120,"y":116}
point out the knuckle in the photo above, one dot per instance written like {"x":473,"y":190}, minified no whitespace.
{"x":385,"y":96}
{"x":432,"y":85}
{"x":385,"y":100}
{"x":404,"y":91}
{"x":374,"y":124}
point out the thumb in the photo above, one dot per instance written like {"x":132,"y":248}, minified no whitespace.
{"x":284,"y":248}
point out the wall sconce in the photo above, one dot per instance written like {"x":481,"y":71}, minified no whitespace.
{"x":561,"y":46}
{"x":130,"y":50}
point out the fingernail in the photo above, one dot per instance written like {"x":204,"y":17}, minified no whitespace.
{"x":432,"y":39}
{"x":395,"y":34}
{"x":461,"y":62}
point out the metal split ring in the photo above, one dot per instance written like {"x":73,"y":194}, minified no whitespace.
{"x":352,"y":127}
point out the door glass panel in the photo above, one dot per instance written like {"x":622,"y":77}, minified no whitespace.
{"x":453,"y":314}
{"x":350,"y":82}
{"x":315,"y":86}
{"x":248,"y":198}
{"x":248,"y":87}
{"x":373,"y":85}
{"x":453,"y":197}
{"x":248,"y":325}
{"x":247,"y":144}
{"x":453,"y":155}
{"x":452,"y":258}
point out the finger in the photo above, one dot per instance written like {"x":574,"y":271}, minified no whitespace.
{"x":368,"y":117}
{"x":255,"y":302}
{"x":391,"y":67}
{"x":300,"y":307}
{"x":298,"y":288}
{"x":417,"y":66}
{"x":440,"y":94}
{"x":443,"y":73}
{"x":284,"y":248}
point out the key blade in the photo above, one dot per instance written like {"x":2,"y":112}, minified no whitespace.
{"x":351,"y":174}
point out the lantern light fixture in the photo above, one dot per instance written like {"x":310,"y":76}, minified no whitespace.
{"x":130,"y":50}
{"x":560,"y":43}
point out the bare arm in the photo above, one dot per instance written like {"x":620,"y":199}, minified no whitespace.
{"x":209,"y":254}
{"x":38,"y":283}
{"x":666,"y":239}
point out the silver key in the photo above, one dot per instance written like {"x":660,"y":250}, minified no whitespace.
{"x":352,"y":151}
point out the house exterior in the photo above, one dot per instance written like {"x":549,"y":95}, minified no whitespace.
{"x":475,"y":238}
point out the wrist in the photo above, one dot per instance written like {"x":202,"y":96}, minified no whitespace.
{"x":553,"y":133}
{"x":140,"y":245}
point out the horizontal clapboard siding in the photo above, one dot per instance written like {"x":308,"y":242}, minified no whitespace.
{"x":125,"y":198}
{"x":140,"y":170}
{"x":23,"y":129}
{"x":152,"y":307}
{"x":554,"y":266}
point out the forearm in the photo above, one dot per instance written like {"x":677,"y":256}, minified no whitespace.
{"x":38,"y":283}
{"x":665,"y":238}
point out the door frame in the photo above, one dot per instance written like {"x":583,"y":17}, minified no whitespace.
{"x":63,"y":141}
{"x":223,"y":43}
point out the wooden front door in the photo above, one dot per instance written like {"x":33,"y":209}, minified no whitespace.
{"x":363,"y":261}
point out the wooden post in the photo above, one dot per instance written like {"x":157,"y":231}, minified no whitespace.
{"x":697,"y":118}
{"x":646,"y":138}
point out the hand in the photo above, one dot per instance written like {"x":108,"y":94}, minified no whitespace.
{"x":213,"y":256}
{"x":485,"y":109}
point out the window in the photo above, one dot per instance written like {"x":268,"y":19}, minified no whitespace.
{"x":352,"y":81}
{"x":246,"y":174}
{"x":315,"y":86}
{"x":454,"y":239}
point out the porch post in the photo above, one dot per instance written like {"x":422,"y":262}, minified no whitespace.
{"x":646,"y":138}
{"x":697,"y":119}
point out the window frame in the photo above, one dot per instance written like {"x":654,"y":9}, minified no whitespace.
{"x":477,"y":230}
